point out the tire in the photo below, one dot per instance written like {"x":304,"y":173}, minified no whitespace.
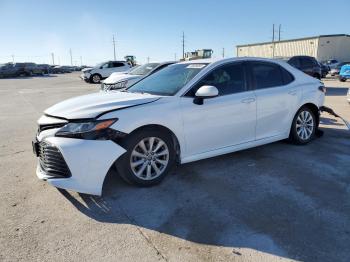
{"x":144,"y":171}
{"x":342,"y":79}
{"x":317,"y":76}
{"x":95,"y":78}
{"x":303,"y":127}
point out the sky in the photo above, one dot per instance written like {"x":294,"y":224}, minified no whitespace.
{"x":33,"y":29}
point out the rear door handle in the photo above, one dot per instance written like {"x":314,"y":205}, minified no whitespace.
{"x":292,"y":92}
{"x":248,"y":100}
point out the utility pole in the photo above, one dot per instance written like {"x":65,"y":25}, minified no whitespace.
{"x":71,"y":58}
{"x":273,"y":40}
{"x":59,"y":61}
{"x":183,"y":45}
{"x":279,"y":32}
{"x":13,"y":59}
{"x":81,"y":61}
{"x":175,"y":57}
{"x":147,"y":59}
{"x":223,"y":52}
{"x":53,"y":58}
{"x":114,"y":48}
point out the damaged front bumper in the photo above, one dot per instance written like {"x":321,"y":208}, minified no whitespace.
{"x":83,"y":166}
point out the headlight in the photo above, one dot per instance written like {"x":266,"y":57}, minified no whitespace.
{"x":92,"y":130}
{"x":116,"y":86}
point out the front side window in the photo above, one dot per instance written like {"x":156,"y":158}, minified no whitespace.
{"x":228,"y":79}
{"x":104,"y":66}
{"x":169,"y":80}
{"x":266,"y":75}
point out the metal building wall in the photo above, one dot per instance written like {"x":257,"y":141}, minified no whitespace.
{"x":281,"y":49}
{"x":337,"y":47}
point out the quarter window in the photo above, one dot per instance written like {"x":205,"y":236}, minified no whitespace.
{"x":266,"y":75}
{"x":228,"y":79}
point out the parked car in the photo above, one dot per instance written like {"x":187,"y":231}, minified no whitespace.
{"x":324,"y":70}
{"x":344,"y":72}
{"x":32,"y":69}
{"x":348,"y":96}
{"x":335,"y":71}
{"x":46,"y":69}
{"x":308,"y":64}
{"x":121,"y":80}
{"x":185,"y":112}
{"x":11,"y":70}
{"x":104,"y":70}
{"x":332,"y":63}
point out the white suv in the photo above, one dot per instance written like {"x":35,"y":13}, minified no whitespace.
{"x":104,"y":70}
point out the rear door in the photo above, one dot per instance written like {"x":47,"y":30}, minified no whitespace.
{"x":117,"y":67}
{"x":277,"y":98}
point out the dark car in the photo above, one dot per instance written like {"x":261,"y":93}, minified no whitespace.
{"x":324,"y":70}
{"x":10,"y":70}
{"x":308,"y":64}
{"x":31,"y":69}
{"x":46,"y":69}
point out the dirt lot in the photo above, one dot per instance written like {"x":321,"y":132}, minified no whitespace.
{"x":272,"y":203}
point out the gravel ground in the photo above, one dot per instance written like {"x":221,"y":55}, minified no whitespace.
{"x":272,"y":203}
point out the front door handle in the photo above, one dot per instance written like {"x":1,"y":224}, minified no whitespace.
{"x":292,"y":92}
{"x":248,"y":100}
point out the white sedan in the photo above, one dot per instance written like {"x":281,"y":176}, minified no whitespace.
{"x":122,"y":80}
{"x":186,"y":112}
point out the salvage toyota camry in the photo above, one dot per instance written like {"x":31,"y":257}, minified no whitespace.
{"x":186,"y":112}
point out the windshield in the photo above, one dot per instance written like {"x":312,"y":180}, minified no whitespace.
{"x":100,"y":64}
{"x":144,"y":69}
{"x":169,"y":80}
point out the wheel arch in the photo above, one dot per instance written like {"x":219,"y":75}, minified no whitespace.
{"x":314,"y":108}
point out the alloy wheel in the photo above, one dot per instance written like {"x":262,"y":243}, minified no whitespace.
{"x":149,"y":158}
{"x":305,"y":125}
{"x":96,"y":79}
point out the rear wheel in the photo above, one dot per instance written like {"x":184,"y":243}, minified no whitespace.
{"x":149,"y":158}
{"x":303,"y":127}
{"x":342,"y":79}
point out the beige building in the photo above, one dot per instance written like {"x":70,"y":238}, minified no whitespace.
{"x":321,"y":47}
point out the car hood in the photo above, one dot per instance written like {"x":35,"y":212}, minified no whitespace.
{"x":93,"y":105}
{"x":115,"y":78}
{"x":87,"y":69}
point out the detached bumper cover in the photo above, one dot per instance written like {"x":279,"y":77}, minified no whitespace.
{"x":88,"y":162}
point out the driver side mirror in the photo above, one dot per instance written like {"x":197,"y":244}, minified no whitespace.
{"x":205,"y":92}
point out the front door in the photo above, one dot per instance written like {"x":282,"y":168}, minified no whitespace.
{"x":226,"y":120}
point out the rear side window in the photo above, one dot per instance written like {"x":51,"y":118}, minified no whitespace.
{"x":266,"y":75}
{"x":117,"y":64}
{"x":287,"y":77}
{"x":294,"y":62}
{"x":307,"y":62}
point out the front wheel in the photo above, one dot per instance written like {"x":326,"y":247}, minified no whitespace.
{"x":149,"y":158}
{"x":303,"y":127}
{"x":96,"y":78}
{"x":342,"y":79}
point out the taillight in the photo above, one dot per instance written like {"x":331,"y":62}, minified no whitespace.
{"x":322,"y":89}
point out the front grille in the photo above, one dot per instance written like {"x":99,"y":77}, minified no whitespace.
{"x":52,"y":162}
